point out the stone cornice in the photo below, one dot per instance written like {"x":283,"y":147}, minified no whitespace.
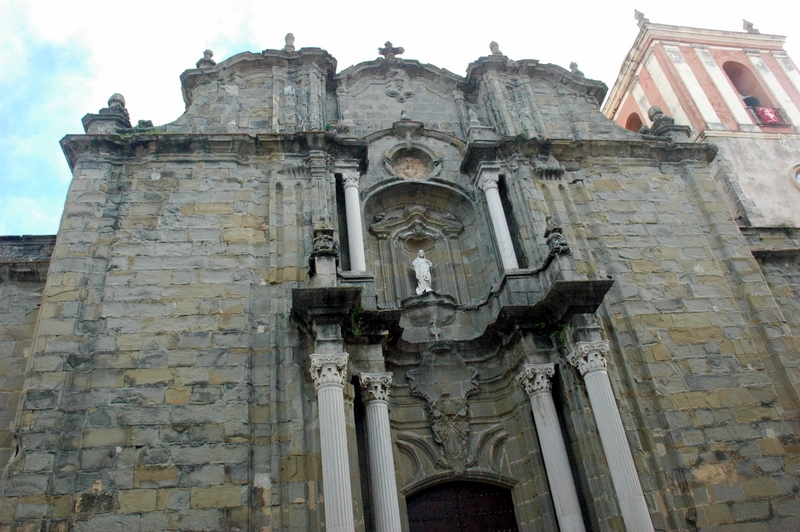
{"x":138,"y":146}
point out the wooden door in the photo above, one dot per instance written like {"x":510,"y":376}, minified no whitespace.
{"x":461,"y":507}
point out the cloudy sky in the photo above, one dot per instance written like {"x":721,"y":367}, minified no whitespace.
{"x":60,"y":60}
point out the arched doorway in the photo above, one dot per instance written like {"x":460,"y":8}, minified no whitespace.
{"x":461,"y":507}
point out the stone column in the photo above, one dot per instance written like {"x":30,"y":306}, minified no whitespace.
{"x":535,"y":378}
{"x":375,"y":393}
{"x":329,"y":373}
{"x":488,"y":178}
{"x":352,"y":207}
{"x":590,"y":359}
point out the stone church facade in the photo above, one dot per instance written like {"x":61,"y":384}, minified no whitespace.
{"x":395,"y":298}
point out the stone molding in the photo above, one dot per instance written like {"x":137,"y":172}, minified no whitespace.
{"x":589,"y":356}
{"x":328,"y":370}
{"x":375,"y":386}
{"x":535,"y":378}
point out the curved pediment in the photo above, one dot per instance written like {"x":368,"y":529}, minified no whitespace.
{"x":368,"y":72}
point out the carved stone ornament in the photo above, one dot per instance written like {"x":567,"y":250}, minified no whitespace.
{"x":489,"y":180}
{"x":324,"y":244}
{"x":350,"y":178}
{"x":398,"y":85}
{"x":328,"y":370}
{"x":375,"y":386}
{"x":445,"y":382}
{"x":389,"y":51}
{"x":664,"y":126}
{"x":206,"y":61}
{"x":411,"y":167}
{"x":589,"y":356}
{"x":555,"y":237}
{"x":417,"y":223}
{"x":535,"y":378}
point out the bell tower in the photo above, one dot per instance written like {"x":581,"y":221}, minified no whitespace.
{"x":737,"y":90}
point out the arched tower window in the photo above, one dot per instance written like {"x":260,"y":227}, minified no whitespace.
{"x":634,"y":122}
{"x":747,"y":85}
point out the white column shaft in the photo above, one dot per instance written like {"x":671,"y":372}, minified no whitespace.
{"x":500,"y":225}
{"x":355,"y":235}
{"x":381,"y":468}
{"x":559,"y":473}
{"x":335,"y":463}
{"x":618,"y":453}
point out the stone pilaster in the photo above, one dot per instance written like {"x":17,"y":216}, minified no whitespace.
{"x":329,"y":373}
{"x":590,"y":360}
{"x":535,"y":378}
{"x":375,"y":393}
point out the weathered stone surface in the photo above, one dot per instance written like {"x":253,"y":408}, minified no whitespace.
{"x":167,"y":378}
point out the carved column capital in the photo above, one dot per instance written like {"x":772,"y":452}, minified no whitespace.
{"x":535,"y":378}
{"x":589,"y":356}
{"x":375,"y":386}
{"x":350,"y":178}
{"x":329,"y":369}
{"x":489,"y":179}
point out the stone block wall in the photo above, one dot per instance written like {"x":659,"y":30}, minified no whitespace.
{"x":23,"y":269}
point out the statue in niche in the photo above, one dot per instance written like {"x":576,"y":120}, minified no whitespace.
{"x":422,"y":267}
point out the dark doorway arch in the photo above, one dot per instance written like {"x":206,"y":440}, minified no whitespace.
{"x":461,"y":507}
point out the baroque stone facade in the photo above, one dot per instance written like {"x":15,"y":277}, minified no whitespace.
{"x":232,"y":337}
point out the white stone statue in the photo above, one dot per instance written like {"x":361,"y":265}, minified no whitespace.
{"x":422,"y":267}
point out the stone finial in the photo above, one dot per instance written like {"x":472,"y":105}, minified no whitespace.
{"x":116,"y":101}
{"x":573,"y":67}
{"x":495,"y":48}
{"x":389,"y":51}
{"x":664,"y":126}
{"x":289,"y":40}
{"x":404,"y":115}
{"x":206,"y":61}
{"x":639,"y":16}
{"x":748,"y":27}
{"x":108,"y":119}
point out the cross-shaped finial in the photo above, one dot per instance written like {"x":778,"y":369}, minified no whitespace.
{"x":389,"y":51}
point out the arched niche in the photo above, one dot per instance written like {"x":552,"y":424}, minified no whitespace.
{"x":747,"y":85}
{"x":405,"y":217}
{"x":634,"y":122}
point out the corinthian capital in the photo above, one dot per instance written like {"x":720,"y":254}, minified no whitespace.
{"x":489,"y":179}
{"x":350,"y":178}
{"x":375,"y":386}
{"x":589,"y":356}
{"x":536,"y":377}
{"x":329,"y":369}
